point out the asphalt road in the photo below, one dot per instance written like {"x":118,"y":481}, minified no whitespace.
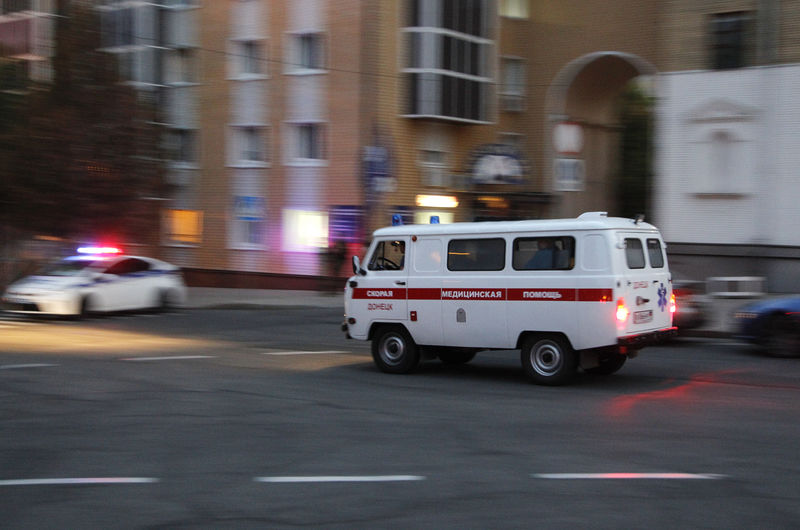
{"x":272,"y":419}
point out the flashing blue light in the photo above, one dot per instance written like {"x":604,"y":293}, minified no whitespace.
{"x":434,"y":219}
{"x":397,"y":219}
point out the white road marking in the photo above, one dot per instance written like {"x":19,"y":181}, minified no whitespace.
{"x":340,"y":478}
{"x":629,"y":476}
{"x":169,"y":358}
{"x":21,"y":366}
{"x":71,"y":481}
{"x":328,"y":352}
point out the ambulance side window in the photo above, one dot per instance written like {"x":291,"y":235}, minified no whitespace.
{"x":655,"y":254}
{"x":388,"y":256}
{"x":634,"y":253}
{"x":544,"y":253}
{"x":476,"y":254}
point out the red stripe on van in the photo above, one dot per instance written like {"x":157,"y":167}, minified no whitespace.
{"x":380,"y":293}
{"x":421,"y":293}
{"x":595,"y":295}
{"x":542,"y":295}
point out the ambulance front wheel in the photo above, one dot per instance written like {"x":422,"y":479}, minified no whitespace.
{"x":394,"y":351}
{"x":549,"y":360}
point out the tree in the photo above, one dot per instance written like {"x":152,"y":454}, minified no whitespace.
{"x":82,"y":153}
{"x":635,"y":179}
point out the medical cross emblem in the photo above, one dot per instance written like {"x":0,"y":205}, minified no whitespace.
{"x":662,"y":297}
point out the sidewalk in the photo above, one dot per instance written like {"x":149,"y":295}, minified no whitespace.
{"x":223,"y":298}
{"x":718,"y":324}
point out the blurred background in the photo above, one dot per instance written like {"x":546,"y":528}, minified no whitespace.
{"x":249,"y":141}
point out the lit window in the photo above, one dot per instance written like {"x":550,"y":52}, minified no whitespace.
{"x":184,"y":226}
{"x":514,"y":8}
{"x":304,"y":231}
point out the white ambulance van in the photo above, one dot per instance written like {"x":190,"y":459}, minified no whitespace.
{"x":568,"y":293}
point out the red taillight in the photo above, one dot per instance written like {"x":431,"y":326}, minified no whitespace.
{"x":673,"y":306}
{"x":622,"y":311}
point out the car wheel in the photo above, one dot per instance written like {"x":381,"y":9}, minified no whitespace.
{"x":782,"y":336}
{"x":87,"y":306}
{"x":548,"y":360}
{"x":608,"y":363}
{"x":394,"y":351}
{"x":455,"y":356}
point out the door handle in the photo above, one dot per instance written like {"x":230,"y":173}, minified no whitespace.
{"x":398,"y":282}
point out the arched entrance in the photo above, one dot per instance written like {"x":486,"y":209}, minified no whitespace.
{"x":582,"y":129}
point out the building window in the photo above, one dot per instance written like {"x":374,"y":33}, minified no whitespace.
{"x":182,"y":145}
{"x":448,"y":72}
{"x":434,"y":167}
{"x":248,"y":221}
{"x":307,"y":52}
{"x":514,"y":8}
{"x":307,"y":141}
{"x":118,"y":27}
{"x":729,"y":39}
{"x":249,"y":57}
{"x":513,"y":88}
{"x":184,"y":226}
{"x":250,"y":144}
{"x":180,"y":65}
{"x":13,"y":6}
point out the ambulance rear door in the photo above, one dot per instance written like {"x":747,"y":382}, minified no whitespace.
{"x":645,"y":288}
{"x":380,"y":294}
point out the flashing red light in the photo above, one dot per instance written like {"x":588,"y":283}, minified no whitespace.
{"x":99,"y":250}
{"x":622,"y":311}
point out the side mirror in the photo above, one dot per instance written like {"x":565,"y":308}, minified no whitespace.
{"x":357,"y":267}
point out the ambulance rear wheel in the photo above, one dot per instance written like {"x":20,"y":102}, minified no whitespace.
{"x":548,"y":360}
{"x":394,"y":351}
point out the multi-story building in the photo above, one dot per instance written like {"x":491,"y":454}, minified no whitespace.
{"x":317,"y":121}
{"x":727,"y":129}
{"x":26,"y":41}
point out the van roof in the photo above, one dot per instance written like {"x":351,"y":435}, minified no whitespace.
{"x":586,"y":221}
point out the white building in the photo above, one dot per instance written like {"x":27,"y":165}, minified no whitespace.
{"x":727,"y":192}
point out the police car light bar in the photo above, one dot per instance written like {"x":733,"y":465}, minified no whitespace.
{"x":98,"y":250}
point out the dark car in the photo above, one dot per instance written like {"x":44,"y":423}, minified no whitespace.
{"x":773,"y":324}
{"x":691,"y":304}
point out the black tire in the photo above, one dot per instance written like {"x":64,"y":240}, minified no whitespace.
{"x":394,"y":351}
{"x":165,"y":303}
{"x":782,"y":336}
{"x":609,"y":363}
{"x":548,"y":360}
{"x":86,"y":307}
{"x":455,"y":356}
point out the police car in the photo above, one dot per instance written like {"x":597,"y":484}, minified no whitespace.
{"x":97,"y":279}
